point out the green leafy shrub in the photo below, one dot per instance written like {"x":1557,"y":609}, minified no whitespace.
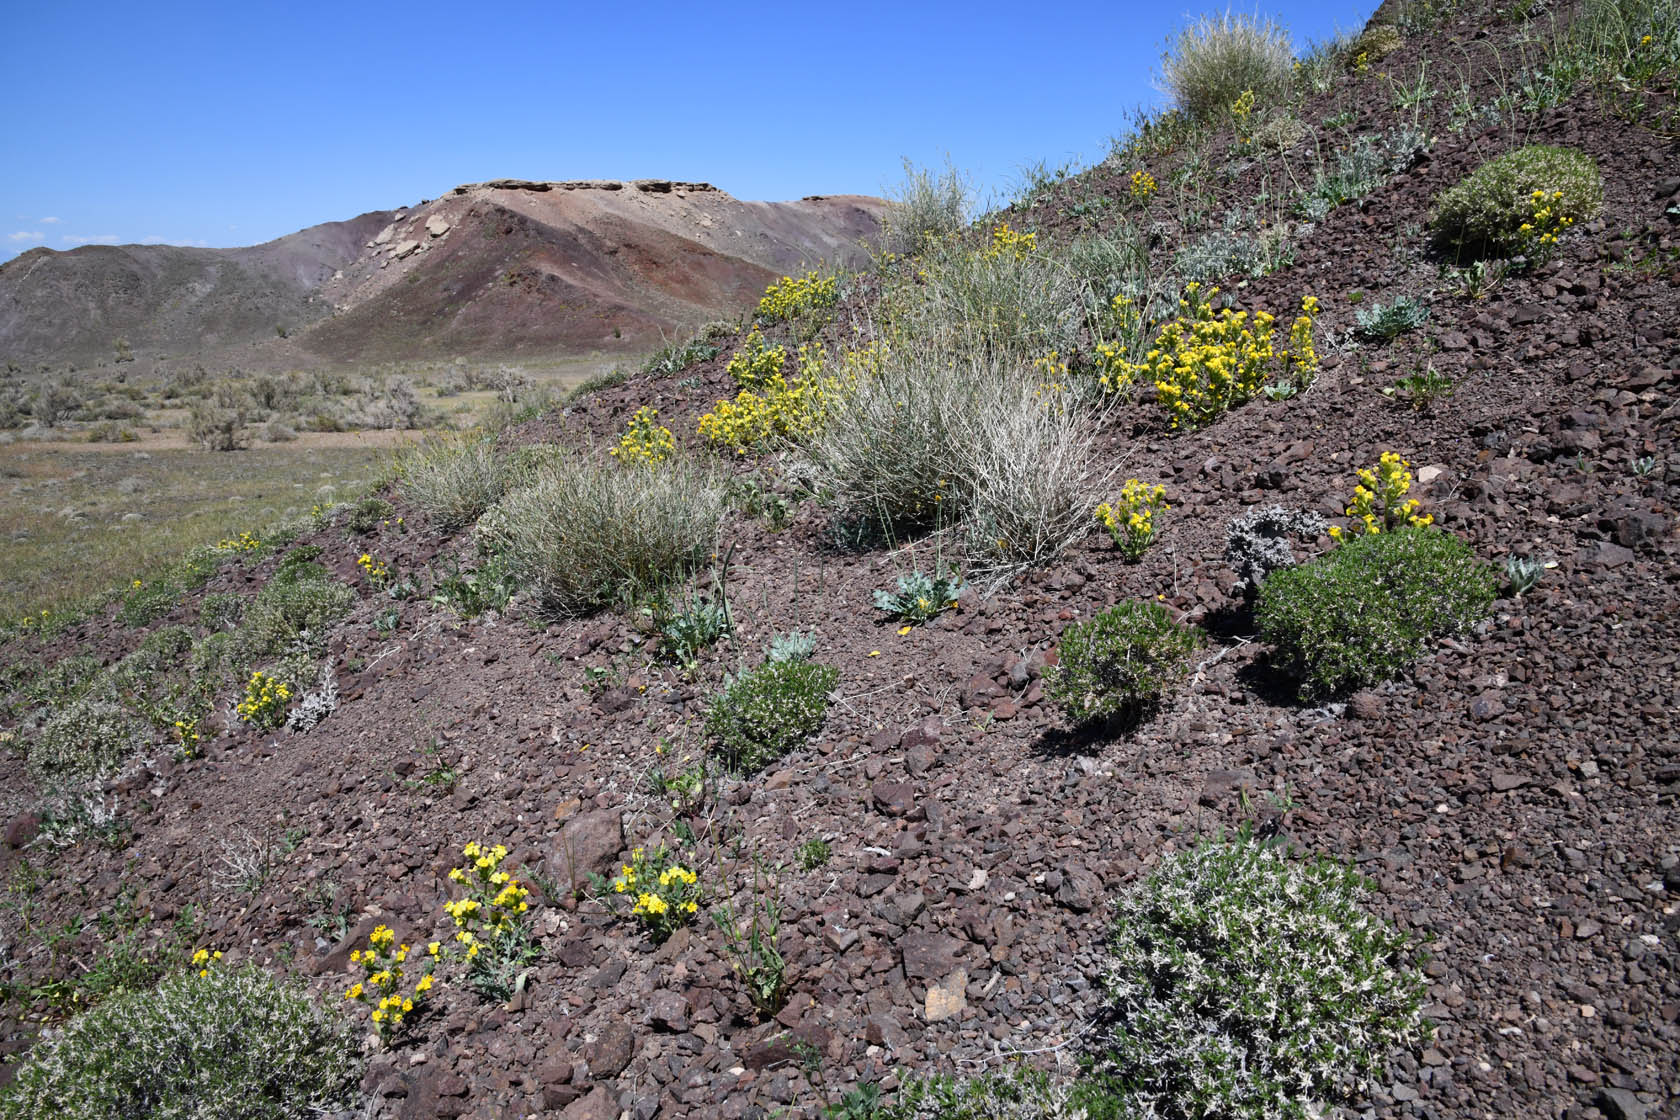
{"x":1368,"y":609}
{"x":367,"y":515}
{"x":293,"y":612}
{"x":1215,"y":60}
{"x":220,"y":610}
{"x":145,"y":602}
{"x":1486,"y":212}
{"x":1118,"y":663}
{"x":1244,"y":984}
{"x":234,"y":1044}
{"x":454,"y":479}
{"x":586,"y":535}
{"x":85,"y":740}
{"x":763,"y":714}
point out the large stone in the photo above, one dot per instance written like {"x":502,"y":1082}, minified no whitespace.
{"x":611,"y":1052}
{"x":588,"y":842}
{"x":598,"y":1105}
{"x":927,"y":955}
{"x":948,"y":998}
{"x":437,"y":225}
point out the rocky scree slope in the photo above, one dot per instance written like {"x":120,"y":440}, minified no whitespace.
{"x":1513,"y":796}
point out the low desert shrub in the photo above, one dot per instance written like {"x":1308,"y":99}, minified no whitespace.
{"x":367,"y":515}
{"x":234,"y":1044}
{"x":1368,"y":609}
{"x":1216,"y":59}
{"x":1244,"y":984}
{"x":939,"y":440}
{"x":293,"y":613}
{"x":1497,"y":209}
{"x":87,"y":739}
{"x":764,"y":713}
{"x":454,"y":479}
{"x":587,"y":534}
{"x":1119,"y":663}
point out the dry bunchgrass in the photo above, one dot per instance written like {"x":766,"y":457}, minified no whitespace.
{"x":925,"y":206}
{"x":454,"y":478}
{"x":588,"y":532}
{"x":942,"y":440}
{"x":1215,"y":59}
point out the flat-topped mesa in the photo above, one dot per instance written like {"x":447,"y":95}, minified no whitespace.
{"x":646,"y":186}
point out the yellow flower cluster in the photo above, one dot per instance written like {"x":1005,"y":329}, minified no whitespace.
{"x":377,"y":571}
{"x":647,"y":442}
{"x":494,"y":901}
{"x":1546,"y":222}
{"x":244,"y":542}
{"x":778,"y":409}
{"x":1361,"y":62}
{"x":1303,"y":352}
{"x":1242,"y":110}
{"x":1114,"y":371}
{"x":384,"y":981}
{"x":1142,"y":186}
{"x":187,"y":735}
{"x":792,"y":296}
{"x":204,"y":958}
{"x":265,"y":700}
{"x":756,"y":361}
{"x":667,"y":894}
{"x":1010,"y":243}
{"x":1380,"y":502}
{"x":29,"y":620}
{"x":1131,"y":519}
{"x":1204,"y":362}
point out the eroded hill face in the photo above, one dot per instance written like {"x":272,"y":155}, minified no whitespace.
{"x":507,"y":268}
{"x":519,"y":268}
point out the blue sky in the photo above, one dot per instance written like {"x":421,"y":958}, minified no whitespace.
{"x":229,"y":124}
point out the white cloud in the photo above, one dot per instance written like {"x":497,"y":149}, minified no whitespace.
{"x":96,"y":239}
{"x":25,"y":235}
{"x":51,"y":221}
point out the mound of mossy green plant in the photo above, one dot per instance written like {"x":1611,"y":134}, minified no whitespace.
{"x":1512,"y":203}
{"x":1366,"y":610}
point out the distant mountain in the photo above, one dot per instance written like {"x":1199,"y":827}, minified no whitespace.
{"x":505,"y":269}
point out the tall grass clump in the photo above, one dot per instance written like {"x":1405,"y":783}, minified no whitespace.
{"x":1217,"y":59}
{"x":586,"y":534}
{"x":926,"y":207}
{"x":454,"y":479}
{"x":1006,"y":298}
{"x":938,"y":440}
{"x":235,"y":1044}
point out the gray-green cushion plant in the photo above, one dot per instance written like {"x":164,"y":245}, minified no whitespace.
{"x":1245,"y":984}
{"x":232,"y":1044}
